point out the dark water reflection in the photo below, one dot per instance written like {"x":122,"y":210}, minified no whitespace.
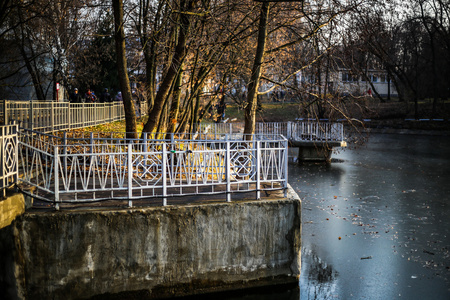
{"x":378,"y":217}
{"x":376,"y":222}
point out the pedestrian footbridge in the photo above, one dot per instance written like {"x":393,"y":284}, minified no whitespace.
{"x":314,"y":140}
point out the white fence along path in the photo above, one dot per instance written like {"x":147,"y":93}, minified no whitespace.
{"x":50,"y":116}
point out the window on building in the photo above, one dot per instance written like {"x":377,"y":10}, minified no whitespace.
{"x":348,"y":77}
{"x":374,"y":78}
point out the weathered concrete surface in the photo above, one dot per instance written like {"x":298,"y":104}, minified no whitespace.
{"x":317,"y":150}
{"x":151,"y":252}
{"x":10,"y":208}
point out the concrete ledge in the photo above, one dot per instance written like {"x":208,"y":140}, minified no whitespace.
{"x":152,"y":252}
{"x":316,"y":150}
{"x":318,"y":144}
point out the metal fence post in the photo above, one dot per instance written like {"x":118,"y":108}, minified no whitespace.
{"x":2,"y":159}
{"x":164,"y":173}
{"x":145,"y":142}
{"x":91,"y":143}
{"x":65,"y":149}
{"x":285,"y":162}
{"x":69,"y":116}
{"x":258,"y":170}
{"x":56,"y":172}
{"x":83,"y":115}
{"x":52,"y":117}
{"x":227,"y":169}
{"x":288,"y":130}
{"x":5,"y":112}
{"x":16,"y":152}
{"x":31,"y":117}
{"x":130,"y":174}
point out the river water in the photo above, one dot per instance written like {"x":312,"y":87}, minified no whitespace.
{"x":375,"y":222}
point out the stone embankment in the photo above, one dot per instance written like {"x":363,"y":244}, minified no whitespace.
{"x":145,"y":253}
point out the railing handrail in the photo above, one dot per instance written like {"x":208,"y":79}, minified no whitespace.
{"x":299,"y":130}
{"x":98,"y":165}
{"x":149,"y":169}
{"x":50,"y":116}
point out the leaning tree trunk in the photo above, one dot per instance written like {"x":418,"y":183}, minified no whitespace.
{"x":166,"y":84}
{"x":175,"y":105}
{"x":128,"y":104}
{"x":252,"y":97}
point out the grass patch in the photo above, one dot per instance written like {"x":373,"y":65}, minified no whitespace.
{"x":117,"y":126}
{"x":268,"y":112}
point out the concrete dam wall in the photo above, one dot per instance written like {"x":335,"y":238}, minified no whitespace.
{"x":145,"y":253}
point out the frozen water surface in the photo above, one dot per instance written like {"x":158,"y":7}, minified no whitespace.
{"x":375,"y":222}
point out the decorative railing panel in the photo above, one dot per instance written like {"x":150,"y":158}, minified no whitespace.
{"x":9,"y":158}
{"x":62,"y":170}
{"x":317,"y":131}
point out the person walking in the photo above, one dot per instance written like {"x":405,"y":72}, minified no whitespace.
{"x":89,"y":96}
{"x":119,"y":97}
{"x":105,"y":97}
{"x":75,"y":97}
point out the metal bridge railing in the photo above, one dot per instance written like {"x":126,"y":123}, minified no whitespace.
{"x":8,"y":149}
{"x":60,"y":170}
{"x":49,"y":116}
{"x":317,"y":131}
{"x":298,"y":131}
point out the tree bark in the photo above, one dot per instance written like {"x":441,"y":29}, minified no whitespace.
{"x":253,"y":86}
{"x":166,"y":84}
{"x":175,"y":106}
{"x":119,"y":36}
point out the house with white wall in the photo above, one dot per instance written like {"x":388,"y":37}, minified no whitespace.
{"x":345,"y":82}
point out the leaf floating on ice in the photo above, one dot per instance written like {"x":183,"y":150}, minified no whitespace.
{"x":367,"y":257}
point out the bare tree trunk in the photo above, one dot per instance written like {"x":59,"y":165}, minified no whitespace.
{"x":253,"y":86}
{"x":175,"y":106}
{"x":178,"y":57}
{"x":119,"y":35}
{"x":431,"y":35}
{"x":148,"y":43}
{"x":30,"y":60}
{"x":150,"y":83}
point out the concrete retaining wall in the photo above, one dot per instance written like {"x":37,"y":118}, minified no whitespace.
{"x":10,"y":208}
{"x":151,"y":252}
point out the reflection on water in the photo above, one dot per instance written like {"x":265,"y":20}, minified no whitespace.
{"x":375,"y":222}
{"x":321,"y":281}
{"x":378,"y":216}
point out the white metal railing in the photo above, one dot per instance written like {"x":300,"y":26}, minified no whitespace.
{"x":8,"y":154}
{"x":64,"y":171}
{"x":297,"y":131}
{"x":49,"y":116}
{"x":316,"y":131}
